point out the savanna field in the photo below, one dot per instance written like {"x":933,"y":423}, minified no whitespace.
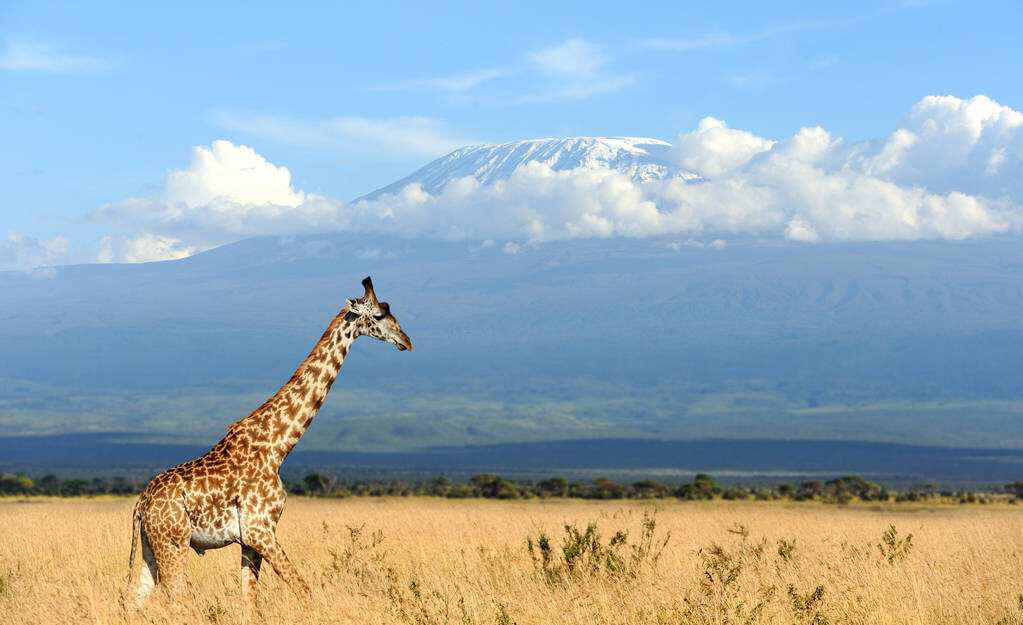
{"x":436,"y":561}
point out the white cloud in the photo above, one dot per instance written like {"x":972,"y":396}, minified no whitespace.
{"x":21,"y":253}
{"x":950,"y":171}
{"x":143,"y":248}
{"x":949,"y":144}
{"x":227,"y":192}
{"x":574,"y":57}
{"x":575,"y":69}
{"x":572,"y":69}
{"x":724,"y":39}
{"x":421,"y":136}
{"x":233,"y":173}
{"x":714,"y":149}
{"x":810,"y":187}
{"x":455,"y":83}
{"x":29,"y":56}
{"x":799,"y":230}
{"x":701,"y":41}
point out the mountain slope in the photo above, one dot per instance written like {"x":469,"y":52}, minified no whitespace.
{"x":900,"y":342}
{"x":638,"y":158}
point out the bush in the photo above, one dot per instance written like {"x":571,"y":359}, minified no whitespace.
{"x":703,"y":486}
{"x":584,"y":554}
{"x":15,"y":484}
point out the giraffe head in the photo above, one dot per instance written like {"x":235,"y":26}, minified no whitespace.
{"x":373,"y":318}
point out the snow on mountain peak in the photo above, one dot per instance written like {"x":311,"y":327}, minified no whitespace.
{"x":639,"y":158}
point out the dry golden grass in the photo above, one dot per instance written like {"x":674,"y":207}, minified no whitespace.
{"x":436,"y":561}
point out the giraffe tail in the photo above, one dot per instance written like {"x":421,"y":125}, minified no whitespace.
{"x":136,"y":530}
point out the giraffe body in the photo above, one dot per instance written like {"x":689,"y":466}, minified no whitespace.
{"x":233,"y":493}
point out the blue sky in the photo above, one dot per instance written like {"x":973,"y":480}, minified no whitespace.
{"x":101,"y":102}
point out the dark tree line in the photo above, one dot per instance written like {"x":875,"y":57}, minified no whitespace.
{"x":703,"y":487}
{"x":20,"y":484}
{"x":490,"y":486}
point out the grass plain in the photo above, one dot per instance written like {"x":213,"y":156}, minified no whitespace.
{"x":429,"y":561}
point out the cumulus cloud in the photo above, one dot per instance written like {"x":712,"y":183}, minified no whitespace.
{"x":19,"y":252}
{"x":950,"y":170}
{"x":32,"y":56}
{"x":714,"y":148}
{"x":948,"y":144}
{"x":142,"y":248}
{"x":227,"y":192}
{"x":233,"y":173}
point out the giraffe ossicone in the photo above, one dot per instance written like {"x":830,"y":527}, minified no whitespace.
{"x":233,"y":493}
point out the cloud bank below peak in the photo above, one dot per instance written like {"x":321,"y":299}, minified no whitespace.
{"x":952,"y":169}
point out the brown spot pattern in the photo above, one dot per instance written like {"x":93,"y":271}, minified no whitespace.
{"x":234,"y":491}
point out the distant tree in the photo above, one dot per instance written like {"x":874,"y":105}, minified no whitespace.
{"x":553,"y":487}
{"x":703,"y":486}
{"x":15,"y":484}
{"x":649,"y":488}
{"x":439,"y":486}
{"x":844,"y":489}
{"x":809,"y":490}
{"x":316,"y":484}
{"x":494,"y":486}
{"x":604,"y":488}
{"x":74,"y":488}
{"x":735,"y":492}
{"x":1016,"y":488}
{"x":49,"y":484}
{"x":120,"y":486}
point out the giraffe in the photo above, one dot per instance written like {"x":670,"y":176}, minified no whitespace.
{"x":233,"y":493}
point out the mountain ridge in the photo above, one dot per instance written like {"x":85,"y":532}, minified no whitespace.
{"x":639,"y":158}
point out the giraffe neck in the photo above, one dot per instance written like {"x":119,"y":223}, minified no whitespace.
{"x":276,"y":427}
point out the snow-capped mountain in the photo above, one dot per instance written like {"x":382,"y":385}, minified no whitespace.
{"x":639,"y":158}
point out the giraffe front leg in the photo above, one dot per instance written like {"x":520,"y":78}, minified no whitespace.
{"x":263,"y":541}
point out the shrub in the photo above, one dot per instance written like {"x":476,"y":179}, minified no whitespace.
{"x":703,"y":486}
{"x":584,"y":554}
{"x":892,"y":548}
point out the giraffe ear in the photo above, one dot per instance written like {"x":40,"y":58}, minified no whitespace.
{"x":350,"y":314}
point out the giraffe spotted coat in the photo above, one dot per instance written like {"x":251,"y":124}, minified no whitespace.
{"x":233,"y":493}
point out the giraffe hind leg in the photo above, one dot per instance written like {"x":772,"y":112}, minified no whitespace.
{"x":170,"y":566}
{"x":168,"y":530}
